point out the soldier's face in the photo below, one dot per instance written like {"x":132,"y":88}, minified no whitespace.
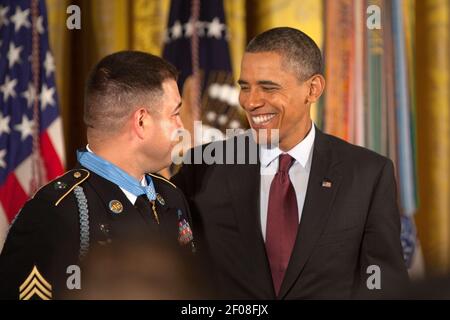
{"x":273,"y":97}
{"x":167,"y":122}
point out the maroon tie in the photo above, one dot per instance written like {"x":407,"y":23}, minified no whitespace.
{"x":282,"y":221}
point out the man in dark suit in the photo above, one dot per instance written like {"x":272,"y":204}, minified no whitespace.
{"x":313,"y":216}
{"x":111,"y":198}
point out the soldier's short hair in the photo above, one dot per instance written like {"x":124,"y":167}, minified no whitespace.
{"x":120,"y":83}
{"x":299,"y":52}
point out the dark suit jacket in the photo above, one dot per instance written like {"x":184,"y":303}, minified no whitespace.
{"x":344,"y":229}
{"x":46,"y":233}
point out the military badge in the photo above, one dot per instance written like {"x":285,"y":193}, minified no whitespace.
{"x":106,"y":231}
{"x":59,"y":185}
{"x":160,"y":199}
{"x":115,"y":206}
{"x":185,"y":235}
{"x":104,"y":228}
{"x":35,"y":286}
{"x":155,"y":214}
{"x":184,"y":232}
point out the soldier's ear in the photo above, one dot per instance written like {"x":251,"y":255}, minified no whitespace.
{"x":139,"y":122}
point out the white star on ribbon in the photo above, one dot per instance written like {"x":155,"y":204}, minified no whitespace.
{"x":225,"y":93}
{"x":4,"y":124}
{"x":222,"y":120}
{"x":29,"y":95}
{"x":49,"y":63}
{"x":188,"y":28}
{"x":215,"y":28}
{"x":177,"y":30}
{"x":25,"y":127}
{"x":200,"y":25}
{"x":8,"y":88}
{"x":2,"y":158}
{"x":234,"y":124}
{"x":14,"y":54}
{"x":40,"y":24}
{"x":3,"y":19}
{"x":47,"y":96}
{"x":20,"y":19}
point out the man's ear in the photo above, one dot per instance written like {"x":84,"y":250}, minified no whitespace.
{"x":316,"y":87}
{"x":139,"y":121}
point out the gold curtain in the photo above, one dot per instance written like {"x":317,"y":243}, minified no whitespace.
{"x":235,"y":18}
{"x":306,"y":15}
{"x":432,"y":50}
{"x":148,"y":23}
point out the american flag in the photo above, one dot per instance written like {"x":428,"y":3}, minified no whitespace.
{"x":197,"y":39}
{"x":30,"y":155}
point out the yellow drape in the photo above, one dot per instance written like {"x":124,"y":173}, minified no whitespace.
{"x":148,"y":24}
{"x":432,"y":49}
{"x":306,"y":15}
{"x":235,"y":19}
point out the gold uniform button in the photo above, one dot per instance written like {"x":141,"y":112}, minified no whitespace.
{"x":77,"y":175}
{"x":115,"y":206}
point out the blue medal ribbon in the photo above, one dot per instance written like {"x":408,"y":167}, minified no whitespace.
{"x":110,"y":172}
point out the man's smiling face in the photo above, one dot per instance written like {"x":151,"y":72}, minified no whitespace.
{"x":273,"y":97}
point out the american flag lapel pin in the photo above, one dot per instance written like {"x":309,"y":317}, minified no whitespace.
{"x":326,"y":184}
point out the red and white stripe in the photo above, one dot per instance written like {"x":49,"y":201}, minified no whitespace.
{"x":17,"y":188}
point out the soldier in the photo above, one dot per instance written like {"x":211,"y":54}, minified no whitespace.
{"x":112,"y":197}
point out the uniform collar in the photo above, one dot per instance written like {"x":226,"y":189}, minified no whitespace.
{"x":128,"y":194}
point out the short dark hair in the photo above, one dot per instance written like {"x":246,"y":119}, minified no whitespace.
{"x":120,"y":82}
{"x":297,"y":49}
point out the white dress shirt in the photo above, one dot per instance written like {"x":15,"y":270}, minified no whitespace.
{"x":128,"y":194}
{"x":298,"y":173}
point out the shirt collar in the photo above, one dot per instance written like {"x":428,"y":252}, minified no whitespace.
{"x":300,"y":152}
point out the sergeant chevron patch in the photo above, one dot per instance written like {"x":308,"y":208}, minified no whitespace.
{"x":35,"y":285}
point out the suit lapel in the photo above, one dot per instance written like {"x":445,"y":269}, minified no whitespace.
{"x":316,"y":210}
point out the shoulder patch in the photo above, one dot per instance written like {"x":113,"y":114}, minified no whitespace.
{"x":162,"y":178}
{"x":68,"y":181}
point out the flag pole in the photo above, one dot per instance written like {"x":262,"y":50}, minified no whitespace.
{"x":195,"y":94}
{"x":37,"y":168}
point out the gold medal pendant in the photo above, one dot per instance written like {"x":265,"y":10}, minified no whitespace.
{"x":154,"y":211}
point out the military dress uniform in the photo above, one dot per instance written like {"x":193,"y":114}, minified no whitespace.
{"x":80,"y":209}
